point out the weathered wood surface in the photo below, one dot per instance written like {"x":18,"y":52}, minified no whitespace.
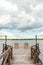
{"x":16,"y":46}
{"x":35,"y":54}
{"x":6,"y":55}
{"x":22,"y":56}
{"x":26,"y":45}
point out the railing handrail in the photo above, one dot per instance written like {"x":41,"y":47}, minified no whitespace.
{"x":34,"y":45}
{"x":5,"y":53}
{"x":8,"y":45}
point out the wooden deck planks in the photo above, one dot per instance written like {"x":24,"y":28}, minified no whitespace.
{"x":21,"y":56}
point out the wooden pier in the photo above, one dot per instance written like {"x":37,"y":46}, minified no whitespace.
{"x":19,"y":56}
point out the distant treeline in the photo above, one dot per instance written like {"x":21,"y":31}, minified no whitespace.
{"x":22,"y":39}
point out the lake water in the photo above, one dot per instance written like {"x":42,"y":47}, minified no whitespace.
{"x":21,"y":43}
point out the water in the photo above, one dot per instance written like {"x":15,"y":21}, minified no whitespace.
{"x":21,"y":43}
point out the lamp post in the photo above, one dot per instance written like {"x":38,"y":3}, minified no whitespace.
{"x":5,"y":42}
{"x":36,"y":39}
{"x":36,"y":42}
{"x":5,"y":39}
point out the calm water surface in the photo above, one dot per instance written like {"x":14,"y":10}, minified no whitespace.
{"x":21,"y":42}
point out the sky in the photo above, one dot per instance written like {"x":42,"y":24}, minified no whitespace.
{"x":21,"y":18}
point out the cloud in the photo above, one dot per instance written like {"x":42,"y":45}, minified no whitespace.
{"x":7,"y":7}
{"x":10,"y":35}
{"x":40,"y":35}
{"x":21,"y":16}
{"x":36,"y":11}
{"x":5,"y":19}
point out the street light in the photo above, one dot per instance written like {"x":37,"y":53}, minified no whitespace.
{"x":5,"y":42}
{"x":36,"y":39}
{"x":5,"y":39}
{"x":36,"y":42}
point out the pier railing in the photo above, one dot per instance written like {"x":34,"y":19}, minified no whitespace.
{"x":6,"y":55}
{"x":35,"y":54}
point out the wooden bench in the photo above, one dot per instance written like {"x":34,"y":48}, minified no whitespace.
{"x":16,"y":45}
{"x":26,"y":45}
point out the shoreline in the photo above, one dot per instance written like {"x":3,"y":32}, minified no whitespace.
{"x":22,"y":39}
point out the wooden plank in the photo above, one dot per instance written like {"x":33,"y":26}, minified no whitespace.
{"x":5,"y":53}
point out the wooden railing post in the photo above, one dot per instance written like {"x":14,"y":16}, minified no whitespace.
{"x":31,"y":52}
{"x":8,"y":60}
{"x":11,"y":53}
{"x":3,"y":48}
